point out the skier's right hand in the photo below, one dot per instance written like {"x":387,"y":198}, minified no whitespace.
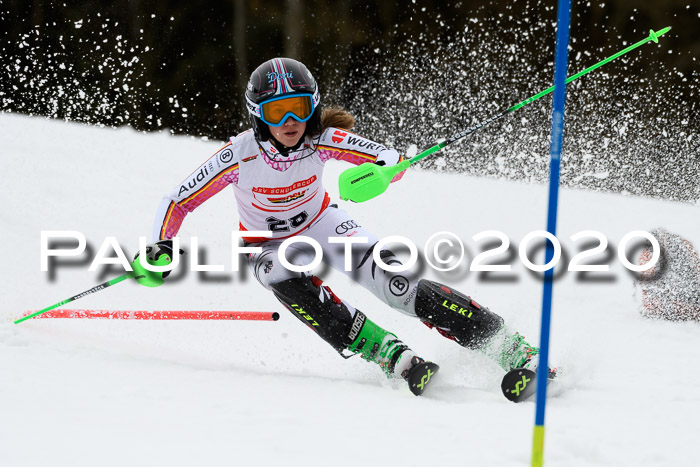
{"x":160,"y":254}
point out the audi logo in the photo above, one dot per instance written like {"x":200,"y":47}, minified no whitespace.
{"x":345,"y":227}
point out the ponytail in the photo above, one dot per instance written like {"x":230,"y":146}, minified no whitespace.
{"x":336,"y":117}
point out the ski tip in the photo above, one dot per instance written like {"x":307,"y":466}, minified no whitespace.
{"x":275,"y":316}
{"x":420,"y":377}
{"x":519,"y":384}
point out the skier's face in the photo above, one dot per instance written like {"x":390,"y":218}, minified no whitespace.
{"x":288,"y":133}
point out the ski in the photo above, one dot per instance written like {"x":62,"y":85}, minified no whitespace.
{"x":420,"y":376}
{"x":520,"y":384}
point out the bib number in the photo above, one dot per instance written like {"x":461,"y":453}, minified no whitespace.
{"x":282,"y":225}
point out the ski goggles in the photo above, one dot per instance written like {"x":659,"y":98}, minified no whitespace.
{"x":275,"y":112}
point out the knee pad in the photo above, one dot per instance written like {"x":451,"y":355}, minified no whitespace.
{"x":320,"y":309}
{"x":458,"y":316}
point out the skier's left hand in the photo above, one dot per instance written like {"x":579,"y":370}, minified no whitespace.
{"x":160,"y":254}
{"x":388,"y":157}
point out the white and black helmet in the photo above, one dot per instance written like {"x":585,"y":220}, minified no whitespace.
{"x":278,"y":78}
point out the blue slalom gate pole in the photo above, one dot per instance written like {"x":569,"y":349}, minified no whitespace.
{"x":560,"y":67}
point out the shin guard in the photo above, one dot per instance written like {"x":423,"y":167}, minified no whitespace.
{"x":342,"y":326}
{"x":455,"y":315}
{"x":320,"y":309}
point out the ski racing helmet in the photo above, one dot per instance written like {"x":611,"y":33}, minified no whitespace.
{"x":279,"y":89}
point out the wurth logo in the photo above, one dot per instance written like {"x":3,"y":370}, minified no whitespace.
{"x":365,"y":144}
{"x":338,"y":136}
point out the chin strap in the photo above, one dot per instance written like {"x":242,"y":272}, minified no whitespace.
{"x":283,"y":155}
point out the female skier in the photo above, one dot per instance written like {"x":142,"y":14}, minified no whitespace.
{"x":276,"y":171}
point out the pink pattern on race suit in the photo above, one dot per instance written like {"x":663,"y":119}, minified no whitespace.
{"x":286,"y":163}
{"x":180,"y":210}
{"x":326,"y":153}
{"x":212,"y":188}
{"x":173,"y":222}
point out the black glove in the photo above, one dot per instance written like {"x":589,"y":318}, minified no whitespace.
{"x":154,"y":252}
{"x":161,"y":252}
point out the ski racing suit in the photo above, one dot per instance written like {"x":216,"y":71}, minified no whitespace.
{"x":285,"y":195}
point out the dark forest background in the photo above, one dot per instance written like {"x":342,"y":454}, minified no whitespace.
{"x":411,"y":72}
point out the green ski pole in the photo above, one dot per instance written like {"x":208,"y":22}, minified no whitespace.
{"x":142,"y":275}
{"x":367,"y":181}
{"x":97,"y":288}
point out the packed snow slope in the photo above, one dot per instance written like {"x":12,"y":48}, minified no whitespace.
{"x":222,"y":393}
